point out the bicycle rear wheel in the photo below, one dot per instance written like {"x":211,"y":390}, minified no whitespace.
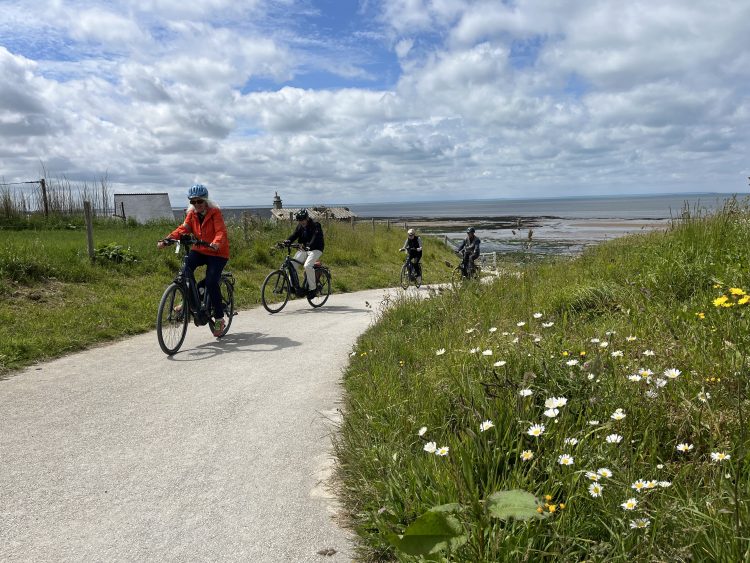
{"x":405,"y":276}
{"x":418,"y":275}
{"x":275,"y":291}
{"x":227,"y":304}
{"x":323,"y":288}
{"x":172,"y":319}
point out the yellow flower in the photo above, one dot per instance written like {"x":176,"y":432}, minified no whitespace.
{"x":736,"y":291}
{"x":539,"y":509}
{"x":548,"y":497}
{"x":727,"y":305}
{"x":562,"y":506}
{"x":552,"y":507}
{"x":701,"y":315}
{"x":743,"y":300}
{"x":719,"y":301}
{"x":717,"y":285}
{"x":583,"y":352}
{"x":565,"y":353}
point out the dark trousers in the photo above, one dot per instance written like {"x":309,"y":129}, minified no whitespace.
{"x":214,"y":266}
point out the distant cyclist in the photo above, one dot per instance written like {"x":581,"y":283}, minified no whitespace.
{"x":310,"y":235}
{"x":205,"y":221}
{"x":413,"y":246}
{"x":470,"y":246}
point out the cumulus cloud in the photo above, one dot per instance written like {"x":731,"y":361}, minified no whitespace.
{"x":447,"y":97}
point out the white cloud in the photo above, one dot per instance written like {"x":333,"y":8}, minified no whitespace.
{"x":479,"y":98}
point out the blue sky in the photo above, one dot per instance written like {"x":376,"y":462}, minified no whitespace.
{"x":377,"y":100}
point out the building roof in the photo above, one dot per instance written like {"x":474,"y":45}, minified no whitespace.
{"x":317,"y":213}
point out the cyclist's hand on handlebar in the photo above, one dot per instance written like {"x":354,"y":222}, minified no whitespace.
{"x":213,"y":246}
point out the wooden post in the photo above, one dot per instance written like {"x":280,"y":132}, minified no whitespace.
{"x":406,"y":227}
{"x":89,"y":228}
{"x":388,"y":224}
{"x":373,"y":224}
{"x":43,"y":185}
{"x":245,"y":226}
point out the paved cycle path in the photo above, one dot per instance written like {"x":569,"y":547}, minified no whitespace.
{"x":222,"y":452}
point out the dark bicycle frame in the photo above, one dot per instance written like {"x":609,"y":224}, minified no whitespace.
{"x":290,"y":270}
{"x":198,"y":307}
{"x":410,"y":267}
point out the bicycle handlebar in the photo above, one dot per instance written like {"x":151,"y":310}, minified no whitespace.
{"x":285,"y":244}
{"x":186,"y":239}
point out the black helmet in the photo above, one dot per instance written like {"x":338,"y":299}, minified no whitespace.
{"x":301,"y":215}
{"x":470,"y":230}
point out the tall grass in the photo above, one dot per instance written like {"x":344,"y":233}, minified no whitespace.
{"x":54,"y":300}
{"x":603,"y":332}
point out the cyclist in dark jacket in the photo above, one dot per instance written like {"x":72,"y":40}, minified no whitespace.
{"x":413,"y":246}
{"x":309,"y":233}
{"x":470,"y":246}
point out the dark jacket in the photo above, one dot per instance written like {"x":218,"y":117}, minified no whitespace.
{"x":311,"y":235}
{"x":471,"y":247}
{"x":411,"y":246}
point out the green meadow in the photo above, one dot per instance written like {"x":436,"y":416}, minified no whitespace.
{"x":594,"y":409}
{"x":54,"y":300}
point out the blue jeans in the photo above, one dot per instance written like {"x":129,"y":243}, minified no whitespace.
{"x":214,"y":266}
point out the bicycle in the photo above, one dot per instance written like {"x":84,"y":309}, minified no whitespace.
{"x":467,"y":269}
{"x":185,"y":298}
{"x":280,"y":283}
{"x":410,"y":271}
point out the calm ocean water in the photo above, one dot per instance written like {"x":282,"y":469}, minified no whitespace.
{"x":557,"y":225}
{"x":623,"y":207}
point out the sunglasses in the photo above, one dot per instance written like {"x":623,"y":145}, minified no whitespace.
{"x":197,"y":201}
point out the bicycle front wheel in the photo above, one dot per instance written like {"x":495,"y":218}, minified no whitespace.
{"x":275,"y":291}
{"x":405,"y":276}
{"x":323,"y":288}
{"x":172,"y":319}
{"x":457,"y":277}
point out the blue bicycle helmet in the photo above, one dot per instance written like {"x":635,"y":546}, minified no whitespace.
{"x":198,"y":190}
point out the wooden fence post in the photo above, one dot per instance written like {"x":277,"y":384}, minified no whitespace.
{"x":373,"y":224}
{"x":245,"y":226}
{"x":43,"y":186}
{"x":388,"y":224}
{"x":89,"y":228}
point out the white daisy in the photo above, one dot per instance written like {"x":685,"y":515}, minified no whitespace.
{"x":595,"y":490}
{"x":571,"y":441}
{"x":565,"y":459}
{"x":630,"y":338}
{"x":520,"y":323}
{"x":527,"y":455}
{"x":487,"y":353}
{"x":500,"y":363}
{"x":442,"y":451}
{"x":571,"y":363}
{"x":617,"y":354}
{"x":537,"y":315}
{"x":672,"y":373}
{"x":526,"y":392}
{"x":649,"y":353}
{"x":486,"y":425}
{"x":720,"y":456}
{"x":619,"y":414}
{"x":536,"y":430}
{"x":430,"y":447}
{"x":440,"y":352}
{"x":629,"y":504}
{"x":604,"y":472}
{"x":547,"y":325}
{"x":551,"y":413}
{"x":493,"y":329}
{"x":422,"y":431}
{"x":639,"y":523}
{"x":683,"y":447}
{"x":613,"y":439}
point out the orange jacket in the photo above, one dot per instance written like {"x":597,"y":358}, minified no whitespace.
{"x":212,"y":229}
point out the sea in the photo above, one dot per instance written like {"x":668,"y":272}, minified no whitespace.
{"x":565,"y":225}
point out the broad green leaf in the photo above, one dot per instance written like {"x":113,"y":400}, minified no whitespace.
{"x":517,"y":504}
{"x":432,"y":532}
{"x":451,"y":507}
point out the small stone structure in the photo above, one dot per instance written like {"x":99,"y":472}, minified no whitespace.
{"x":143,"y":207}
{"x":318,"y":212}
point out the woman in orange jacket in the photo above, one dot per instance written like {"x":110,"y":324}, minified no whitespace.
{"x":205,"y":221}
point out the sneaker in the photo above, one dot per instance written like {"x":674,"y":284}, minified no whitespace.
{"x":312,"y":294}
{"x":219,"y":326}
{"x":301,"y":292}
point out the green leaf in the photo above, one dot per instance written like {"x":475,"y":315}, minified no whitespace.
{"x":517,"y":504}
{"x":432,"y":532}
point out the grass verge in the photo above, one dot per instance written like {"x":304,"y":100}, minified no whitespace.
{"x":53,"y":300}
{"x":613,"y":388}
